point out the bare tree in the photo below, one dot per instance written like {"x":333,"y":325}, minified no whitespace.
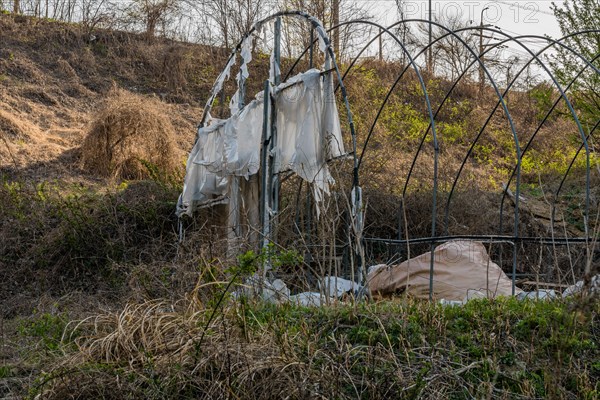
{"x":331,"y":14}
{"x":151,"y":14}
{"x":233,"y":18}
{"x":451,"y":55}
{"x":96,"y":12}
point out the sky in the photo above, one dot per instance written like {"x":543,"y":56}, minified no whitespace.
{"x":515,"y":17}
{"x":520,"y":16}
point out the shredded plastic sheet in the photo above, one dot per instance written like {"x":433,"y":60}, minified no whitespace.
{"x":218,"y":86}
{"x":274,"y":69}
{"x":303,"y":118}
{"x":242,"y":135}
{"x":357,"y":211}
{"x":321,"y":33}
{"x":336,"y":287}
{"x":309,"y":135}
{"x":203,"y":181}
{"x":331,"y":119}
{"x":246,"y":53}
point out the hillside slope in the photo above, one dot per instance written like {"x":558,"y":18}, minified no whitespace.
{"x":54,"y":77}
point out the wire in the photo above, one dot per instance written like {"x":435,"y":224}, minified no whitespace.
{"x":524,"y":7}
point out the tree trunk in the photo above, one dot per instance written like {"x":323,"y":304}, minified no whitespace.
{"x":335,"y":22}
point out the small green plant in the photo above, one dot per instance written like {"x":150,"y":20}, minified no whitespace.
{"x":250,"y":262}
{"x":47,"y":328}
{"x":5,"y":371}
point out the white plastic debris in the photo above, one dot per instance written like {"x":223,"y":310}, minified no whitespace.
{"x":309,"y":135}
{"x":201,"y":183}
{"x":271,"y":292}
{"x":451,"y":303}
{"x":541,"y":294}
{"x":473,"y":294}
{"x":337,"y":287}
{"x":578,"y":287}
{"x":309,"y":299}
{"x":218,"y":86}
{"x":374,"y":268}
{"x":246,"y":53}
{"x":275,"y":292}
{"x":242,"y":141}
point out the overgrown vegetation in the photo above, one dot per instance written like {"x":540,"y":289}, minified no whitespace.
{"x":101,"y":297}
{"x":395,"y":350}
{"x":57,"y":238}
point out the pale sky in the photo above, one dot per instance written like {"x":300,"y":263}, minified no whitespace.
{"x":520,"y":16}
{"x":513,"y":16}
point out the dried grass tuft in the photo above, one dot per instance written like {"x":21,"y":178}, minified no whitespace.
{"x":11,"y":128}
{"x":130,"y":138}
{"x":188,"y":354}
{"x":163,"y":350}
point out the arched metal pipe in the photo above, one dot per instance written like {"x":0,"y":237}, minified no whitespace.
{"x":457,"y":81}
{"x":322,"y":33}
{"x":540,"y":125}
{"x":571,"y":109}
{"x":434,"y":134}
{"x":481,"y":131}
{"x":564,"y":178}
{"x":517,"y":168}
{"x":501,"y":101}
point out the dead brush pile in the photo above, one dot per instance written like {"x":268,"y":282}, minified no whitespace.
{"x":406,"y":349}
{"x":132,"y":138}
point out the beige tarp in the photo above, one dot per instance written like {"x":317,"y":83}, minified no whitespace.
{"x":460,"y":268}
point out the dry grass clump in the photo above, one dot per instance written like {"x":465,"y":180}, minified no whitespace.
{"x":12,"y":128}
{"x":159,"y":352}
{"x":131,"y":138}
{"x":408,"y":349}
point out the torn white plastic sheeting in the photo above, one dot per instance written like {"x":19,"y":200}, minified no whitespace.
{"x":274,"y":68}
{"x":303,"y":118}
{"x":224,"y":148}
{"x":578,"y":287}
{"x":309,"y":134}
{"x":331,"y":120}
{"x":357,"y":211}
{"x":246,"y":53}
{"x":242,"y":140}
{"x":337,"y":287}
{"x":275,"y":292}
{"x":218,"y":86}
{"x":309,"y":299}
{"x":201,"y":183}
{"x":546,"y":294}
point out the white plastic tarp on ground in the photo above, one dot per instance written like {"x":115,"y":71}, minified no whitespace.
{"x":459,"y":268}
{"x":308,"y":130}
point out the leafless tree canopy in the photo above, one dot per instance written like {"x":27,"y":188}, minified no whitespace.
{"x":223,"y":23}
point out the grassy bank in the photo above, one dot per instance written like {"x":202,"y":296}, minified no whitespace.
{"x":395,"y":350}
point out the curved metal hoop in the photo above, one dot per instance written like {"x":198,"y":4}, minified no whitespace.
{"x":477,"y":60}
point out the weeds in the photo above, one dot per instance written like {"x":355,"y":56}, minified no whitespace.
{"x":69,"y":236}
{"x":46,"y":328}
{"x":495,"y":349}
